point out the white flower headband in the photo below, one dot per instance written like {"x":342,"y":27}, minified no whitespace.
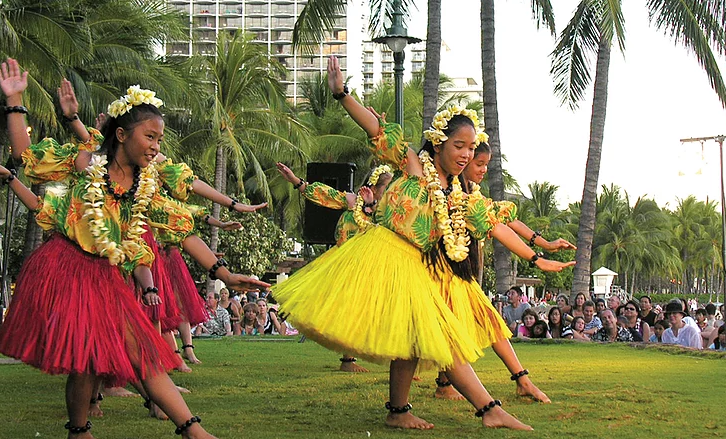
{"x":135,"y":95}
{"x":441,"y":122}
{"x":376,"y":174}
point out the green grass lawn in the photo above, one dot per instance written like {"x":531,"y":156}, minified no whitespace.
{"x":268,"y":388}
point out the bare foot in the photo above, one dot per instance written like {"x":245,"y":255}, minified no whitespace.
{"x":94,"y":411}
{"x":195,"y":431}
{"x":183,"y":368}
{"x":86,"y":435}
{"x":183,"y":390}
{"x":448,"y":392}
{"x":416,"y":378}
{"x":156,"y":412}
{"x":351,"y":366}
{"x":498,"y":418}
{"x":188,"y":354}
{"x":119,"y":391}
{"x":525,"y":387}
{"x":407,"y":420}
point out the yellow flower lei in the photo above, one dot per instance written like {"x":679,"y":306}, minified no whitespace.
{"x":474,"y":192}
{"x":95,"y":199}
{"x":453,"y":228}
{"x":360,"y":219}
{"x":441,"y":122}
{"x":135,"y":95}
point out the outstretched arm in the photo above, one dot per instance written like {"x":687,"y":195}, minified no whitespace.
{"x":360,"y":114}
{"x":551,"y":246}
{"x":26,"y":196}
{"x":509,"y":239}
{"x":203,"y":189}
{"x":13,"y":84}
{"x":227,"y":226}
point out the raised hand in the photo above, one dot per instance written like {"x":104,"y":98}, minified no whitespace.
{"x":559,"y":244}
{"x":335,"y":76}
{"x":381,"y":117}
{"x":287,"y":173}
{"x":101,"y":120}
{"x":12,"y":81}
{"x":230,"y":225}
{"x":67,"y":97}
{"x":239,"y":207}
{"x":367,"y":194}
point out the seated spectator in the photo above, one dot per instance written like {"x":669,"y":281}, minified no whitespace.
{"x":513,"y":313}
{"x":680,"y":332}
{"x":647,"y":314}
{"x":614,"y":302}
{"x":577,"y":308}
{"x":563,"y":303}
{"x":711,"y":316}
{"x":525,"y":329}
{"x":600,"y":304}
{"x":250,"y":323}
{"x":233,"y":308}
{"x":555,"y":322}
{"x":269,"y":319}
{"x":658,"y":328}
{"x":540,"y":330}
{"x":637,"y":327}
{"x":592,"y":322}
{"x":576,"y":330}
{"x":610,"y":331}
{"x":218,"y":323}
{"x":720,"y":343}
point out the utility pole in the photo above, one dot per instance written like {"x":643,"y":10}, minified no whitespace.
{"x":718,"y":139}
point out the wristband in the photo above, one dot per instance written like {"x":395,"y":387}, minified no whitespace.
{"x":534,"y":236}
{"x":299,"y":185}
{"x":231,"y":206}
{"x":534,"y":258}
{"x":71,"y":119}
{"x":341,"y":95}
{"x":11,"y":177}
{"x":16,"y":109}
{"x":150,"y":290}
{"x":217,"y":265}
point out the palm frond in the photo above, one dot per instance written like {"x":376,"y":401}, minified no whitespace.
{"x":543,"y":15}
{"x":382,"y":14}
{"x":316,"y":19}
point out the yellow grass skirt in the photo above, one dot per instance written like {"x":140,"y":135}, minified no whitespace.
{"x":375,"y":298}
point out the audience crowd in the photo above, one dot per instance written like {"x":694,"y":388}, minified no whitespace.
{"x":679,"y":322}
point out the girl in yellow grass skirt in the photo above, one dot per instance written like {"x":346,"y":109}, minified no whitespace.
{"x":383,"y":294}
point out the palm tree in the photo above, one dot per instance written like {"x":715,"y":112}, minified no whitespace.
{"x":433,"y":62}
{"x":544,"y":16}
{"x":589,"y":33}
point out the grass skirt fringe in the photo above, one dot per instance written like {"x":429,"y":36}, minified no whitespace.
{"x":73,"y":312}
{"x":374,"y":298}
{"x":167,"y":313}
{"x":188,"y":299}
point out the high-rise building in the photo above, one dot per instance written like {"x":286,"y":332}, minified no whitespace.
{"x":271,"y":23}
{"x":378,"y":63}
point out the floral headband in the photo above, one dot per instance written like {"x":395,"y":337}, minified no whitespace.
{"x":135,"y":95}
{"x":441,"y":122}
{"x":376,"y":174}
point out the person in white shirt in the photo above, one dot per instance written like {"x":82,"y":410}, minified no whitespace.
{"x":681,"y":333}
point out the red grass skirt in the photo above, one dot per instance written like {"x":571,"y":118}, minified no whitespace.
{"x":73,"y":312}
{"x":168,"y":312}
{"x":189,"y":301}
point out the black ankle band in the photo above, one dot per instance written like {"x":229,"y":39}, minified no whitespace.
{"x":518,"y":375}
{"x":479,"y":413}
{"x":147,"y":403}
{"x":78,"y":430}
{"x":442,"y":383}
{"x":188,"y":346}
{"x":182,"y":428}
{"x":349,"y":360}
{"x":98,"y":398}
{"x":177,"y":351}
{"x":403,"y":409}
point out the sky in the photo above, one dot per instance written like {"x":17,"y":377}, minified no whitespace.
{"x":658,"y":94}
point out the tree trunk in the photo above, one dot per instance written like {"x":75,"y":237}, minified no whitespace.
{"x":33,"y":232}
{"x":220,"y":180}
{"x":502,"y":257}
{"x":586,"y":229}
{"x":433,"y":60}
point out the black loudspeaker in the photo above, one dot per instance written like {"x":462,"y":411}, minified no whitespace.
{"x":319,"y":226}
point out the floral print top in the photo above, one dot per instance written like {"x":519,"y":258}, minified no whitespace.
{"x":63,"y":206}
{"x":326,"y":196}
{"x":406,"y":208}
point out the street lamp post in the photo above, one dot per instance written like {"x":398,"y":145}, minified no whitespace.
{"x":396,"y":38}
{"x":719,"y":139}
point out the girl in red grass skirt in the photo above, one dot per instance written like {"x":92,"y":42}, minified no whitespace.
{"x":74,"y":311}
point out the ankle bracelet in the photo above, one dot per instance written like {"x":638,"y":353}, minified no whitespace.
{"x":482,"y":411}
{"x":187,"y":346}
{"x":182,"y":428}
{"x":98,"y":398}
{"x":442,"y":383}
{"x":349,"y":360}
{"x":78,"y":430}
{"x":147,"y":403}
{"x":402,"y":409}
{"x":518,"y":375}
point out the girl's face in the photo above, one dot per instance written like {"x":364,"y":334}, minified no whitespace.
{"x":224,"y":294}
{"x":561,"y":303}
{"x":579,"y":325}
{"x":263,"y":306}
{"x":477,"y":168}
{"x":556,"y":317}
{"x":142,"y":143}
{"x":454,"y":154}
{"x":250,"y":314}
{"x":580,"y":299}
{"x":528,"y":321}
{"x":722,"y":339}
{"x":600,"y":306}
{"x":538,"y":330}
{"x":658,"y":329}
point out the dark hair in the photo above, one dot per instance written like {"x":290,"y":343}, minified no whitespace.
{"x":711,"y":309}
{"x":543,"y":326}
{"x":635,"y":303}
{"x":530,"y":312}
{"x":646,"y":297}
{"x":588,"y":303}
{"x":467,"y":269}
{"x":560,"y":326}
{"x":701,"y":311}
{"x":483,"y":148}
{"x":127,"y":121}
{"x":717,"y":342}
{"x":572,"y":324}
{"x":665,"y":324}
{"x":517,"y":290}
